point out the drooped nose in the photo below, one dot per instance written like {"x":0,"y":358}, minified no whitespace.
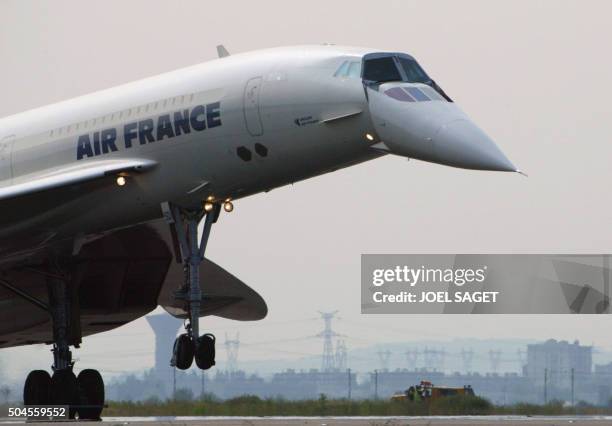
{"x":460,"y":143}
{"x":416,"y":122}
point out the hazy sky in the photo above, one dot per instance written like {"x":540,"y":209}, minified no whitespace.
{"x":536,"y":75}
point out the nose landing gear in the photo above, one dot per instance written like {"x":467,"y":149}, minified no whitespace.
{"x":182,"y":353}
{"x":191,"y":345}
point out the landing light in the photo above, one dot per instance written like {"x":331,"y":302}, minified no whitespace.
{"x":228,"y":206}
{"x":121,"y":180}
{"x":369,"y":137}
{"x":208,"y":207}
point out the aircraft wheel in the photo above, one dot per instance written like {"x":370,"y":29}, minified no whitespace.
{"x":91,"y":390}
{"x":65,"y":390}
{"x":36,"y":390}
{"x":183,"y":352}
{"x":205,"y":351}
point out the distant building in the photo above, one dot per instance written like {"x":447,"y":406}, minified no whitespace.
{"x":552,"y":362}
{"x":603,"y":377}
{"x":604,"y":370}
{"x":230,"y":384}
{"x":311,"y":384}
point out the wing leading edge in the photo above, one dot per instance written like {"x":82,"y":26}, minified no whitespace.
{"x":74,"y":175}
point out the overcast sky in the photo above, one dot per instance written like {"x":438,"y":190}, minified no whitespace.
{"x":536,"y":75}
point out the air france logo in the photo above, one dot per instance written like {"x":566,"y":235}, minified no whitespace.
{"x":167,"y":126}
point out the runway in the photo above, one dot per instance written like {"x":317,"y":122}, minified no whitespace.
{"x":344,"y":421}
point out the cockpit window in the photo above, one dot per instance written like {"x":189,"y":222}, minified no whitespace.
{"x":384,"y":67}
{"x":381,"y":70}
{"x":354,"y":70}
{"x":349,"y":69}
{"x":342,"y":70}
{"x":414,"y":72}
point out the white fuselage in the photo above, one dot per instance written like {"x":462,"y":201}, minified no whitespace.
{"x":221,"y":130}
{"x":287,"y":101}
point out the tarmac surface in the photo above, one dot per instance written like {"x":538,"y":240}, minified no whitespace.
{"x":339,"y":421}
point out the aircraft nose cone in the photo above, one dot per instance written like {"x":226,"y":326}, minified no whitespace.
{"x":461,"y":143}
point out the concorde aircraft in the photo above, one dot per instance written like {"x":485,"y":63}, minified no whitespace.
{"x":101,"y":195}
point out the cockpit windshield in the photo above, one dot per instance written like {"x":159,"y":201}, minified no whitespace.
{"x":414,"y":72}
{"x":386,"y":67}
{"x":381,"y":70}
{"x":382,"y":67}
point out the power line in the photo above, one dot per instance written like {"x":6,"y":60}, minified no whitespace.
{"x":467,"y":357}
{"x":494,"y":359}
{"x":412,"y":356}
{"x":232,"y":346}
{"x":328,"y":362}
{"x":383,"y":357}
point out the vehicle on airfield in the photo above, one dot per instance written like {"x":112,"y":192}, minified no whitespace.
{"x":426,"y":392}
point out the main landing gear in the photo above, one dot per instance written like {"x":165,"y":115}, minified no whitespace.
{"x":191,"y":345}
{"x":83,"y":394}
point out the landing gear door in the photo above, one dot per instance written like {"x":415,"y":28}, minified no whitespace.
{"x":252,"y":116}
{"x":6,"y":146}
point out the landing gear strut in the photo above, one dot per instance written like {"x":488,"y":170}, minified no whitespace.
{"x":84,"y":395}
{"x":191,"y":345}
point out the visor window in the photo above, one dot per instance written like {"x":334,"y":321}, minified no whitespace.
{"x":399,"y":94}
{"x":417,"y":94}
{"x":433,"y":95}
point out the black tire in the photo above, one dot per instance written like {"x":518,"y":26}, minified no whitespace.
{"x":205,"y":351}
{"x":91,"y":392}
{"x":65,"y":390}
{"x":183,"y":352}
{"x":37,"y":388}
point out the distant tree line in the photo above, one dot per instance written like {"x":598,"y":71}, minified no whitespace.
{"x":251,"y":405}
